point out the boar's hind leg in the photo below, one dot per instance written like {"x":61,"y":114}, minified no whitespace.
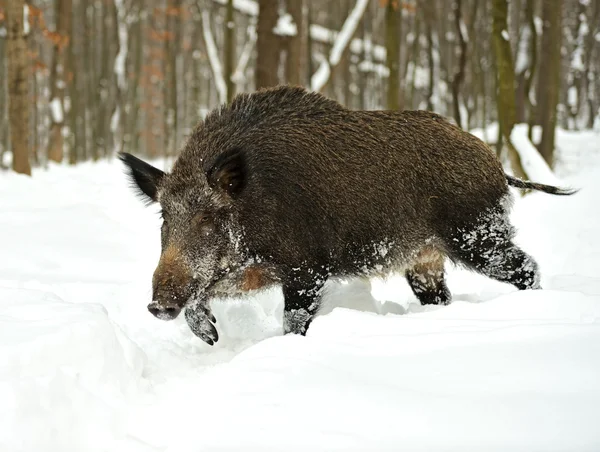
{"x":426,"y":277}
{"x":488,"y":248}
{"x":302,"y":299}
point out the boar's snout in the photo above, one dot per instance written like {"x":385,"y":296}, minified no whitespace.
{"x":164,"y":311}
{"x":170,"y":285}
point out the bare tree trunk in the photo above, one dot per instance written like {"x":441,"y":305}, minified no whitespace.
{"x":90,"y":62}
{"x":506,"y":83}
{"x":18,"y":89}
{"x":59,"y":80}
{"x":549,"y":78}
{"x":415,"y":51}
{"x":3,"y":104}
{"x":363,"y":76}
{"x":576,"y":72}
{"x":471,"y":83}
{"x":267,"y":45}
{"x":309,"y":70}
{"x":76,"y":95}
{"x":591,"y":47}
{"x":459,"y":75}
{"x":297,"y":58}
{"x":102,"y":88}
{"x":393,"y":22}
{"x":34,"y":112}
{"x":530,"y":73}
{"x":196,"y":55}
{"x":429,"y":17}
{"x":174,"y":49}
{"x":132,"y":105}
{"x":229,"y":65}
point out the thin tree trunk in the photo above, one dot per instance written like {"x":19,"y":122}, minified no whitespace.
{"x":3,"y":104}
{"x":77,"y":110}
{"x":18,"y":86}
{"x":196,"y":54}
{"x":530,"y":73}
{"x":230,"y":57}
{"x":309,"y":70}
{"x":475,"y":69}
{"x":104,"y":100}
{"x":393,"y":22}
{"x":34,"y":156}
{"x":131,"y":133}
{"x":267,"y":45}
{"x":590,"y":50}
{"x":297,"y":58}
{"x":415,"y":57}
{"x":362,"y":75}
{"x":549,"y":79}
{"x":460,"y":72}
{"x":90,"y":61}
{"x":429,"y":18}
{"x":173,"y":77}
{"x":59,"y":80}
{"x":506,"y":84}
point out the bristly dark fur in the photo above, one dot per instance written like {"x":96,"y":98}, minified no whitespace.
{"x":284,"y":186}
{"x":519,"y":183}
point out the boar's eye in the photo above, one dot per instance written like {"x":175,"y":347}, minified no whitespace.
{"x":164,"y":232}
{"x":203,"y":221}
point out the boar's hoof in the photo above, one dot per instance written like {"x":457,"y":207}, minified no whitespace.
{"x":201,"y":322}
{"x":164,"y":311}
{"x":296,"y":321}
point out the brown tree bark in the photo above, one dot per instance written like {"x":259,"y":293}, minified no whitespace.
{"x":267,"y":45}
{"x":297,"y":57}
{"x":59,"y":80}
{"x":393,"y":23}
{"x":590,"y":51}
{"x":415,"y":51}
{"x":131,"y":133}
{"x":549,"y":77}
{"x":530,"y":73}
{"x":429,"y":20}
{"x":459,"y":75}
{"x":505,"y":98}
{"x":18,"y":89}
{"x":229,"y":65}
{"x":173,"y":49}
{"x":76,"y":112}
{"x":3,"y":104}
{"x":102,"y":115}
{"x":92,"y":75}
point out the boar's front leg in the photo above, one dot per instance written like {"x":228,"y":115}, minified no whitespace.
{"x":302,"y":298}
{"x":202,"y":323}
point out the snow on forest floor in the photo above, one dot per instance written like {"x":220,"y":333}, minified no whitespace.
{"x":85,"y":367}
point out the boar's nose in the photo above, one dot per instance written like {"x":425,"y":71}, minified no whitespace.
{"x":164,"y":311}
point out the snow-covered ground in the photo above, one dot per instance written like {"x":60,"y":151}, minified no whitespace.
{"x":85,"y":367}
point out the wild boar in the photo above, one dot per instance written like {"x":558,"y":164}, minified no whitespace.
{"x":285,"y":186}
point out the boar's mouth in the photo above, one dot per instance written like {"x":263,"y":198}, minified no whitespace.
{"x":194,"y":295}
{"x":201,"y":294}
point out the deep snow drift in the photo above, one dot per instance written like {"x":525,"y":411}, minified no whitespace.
{"x":85,"y":367}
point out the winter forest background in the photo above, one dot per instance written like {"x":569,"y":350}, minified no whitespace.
{"x":83,"y":79}
{"x":85,"y":367}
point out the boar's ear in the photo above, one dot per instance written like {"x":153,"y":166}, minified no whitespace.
{"x":229,"y":172}
{"x":144,"y":176}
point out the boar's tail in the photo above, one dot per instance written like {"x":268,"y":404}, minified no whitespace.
{"x":518,"y":183}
